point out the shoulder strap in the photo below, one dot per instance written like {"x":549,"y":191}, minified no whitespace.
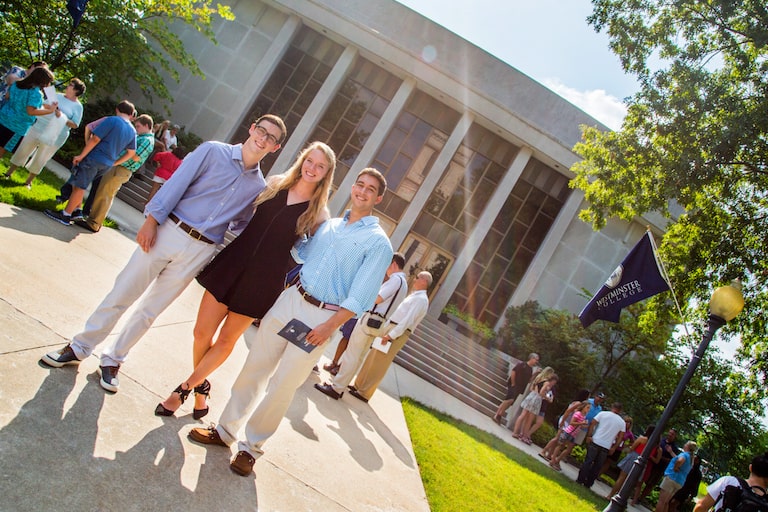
{"x":386,"y":313}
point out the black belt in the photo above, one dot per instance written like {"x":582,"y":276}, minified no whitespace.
{"x":320,"y":304}
{"x":190,"y":230}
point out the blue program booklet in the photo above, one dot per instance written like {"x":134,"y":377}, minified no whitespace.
{"x":296,"y":332}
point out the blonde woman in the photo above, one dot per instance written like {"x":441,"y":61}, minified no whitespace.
{"x":541,"y":385}
{"x":246,"y":277}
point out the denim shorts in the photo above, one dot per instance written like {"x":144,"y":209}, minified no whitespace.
{"x":85,"y":172}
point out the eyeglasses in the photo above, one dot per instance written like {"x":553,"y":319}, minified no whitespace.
{"x":262,"y":132}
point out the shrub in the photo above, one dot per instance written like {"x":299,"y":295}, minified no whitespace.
{"x":476,"y":326}
{"x":578,"y":454}
{"x":545,"y":432}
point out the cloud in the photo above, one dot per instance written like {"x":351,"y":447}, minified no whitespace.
{"x":607,"y":109}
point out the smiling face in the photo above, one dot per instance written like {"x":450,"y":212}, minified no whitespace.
{"x":315,"y":166}
{"x":263,"y":139}
{"x":365,"y":193}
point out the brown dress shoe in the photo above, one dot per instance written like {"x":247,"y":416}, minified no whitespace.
{"x":243,"y":463}
{"x":327,"y":389}
{"x":206,"y":436}
{"x":355,"y":393}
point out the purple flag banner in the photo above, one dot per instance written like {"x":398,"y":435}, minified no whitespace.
{"x":637,"y":278}
{"x":76,"y":9}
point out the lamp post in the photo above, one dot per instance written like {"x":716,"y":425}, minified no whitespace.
{"x":726,"y":303}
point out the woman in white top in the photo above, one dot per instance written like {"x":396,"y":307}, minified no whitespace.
{"x":49,"y":133}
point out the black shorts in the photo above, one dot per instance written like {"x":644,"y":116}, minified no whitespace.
{"x":6,"y":134}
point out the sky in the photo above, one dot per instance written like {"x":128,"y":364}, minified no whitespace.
{"x":548,"y":40}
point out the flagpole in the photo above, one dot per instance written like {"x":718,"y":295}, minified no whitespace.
{"x":666,"y":278}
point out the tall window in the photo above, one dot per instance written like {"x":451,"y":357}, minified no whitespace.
{"x":474,"y":172}
{"x":355,"y":112}
{"x":512,"y":242}
{"x":294,"y":83}
{"x":410,"y":149}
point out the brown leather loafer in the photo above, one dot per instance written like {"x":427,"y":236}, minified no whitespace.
{"x":243,"y":463}
{"x":327,"y":389}
{"x":355,"y":393}
{"x":206,"y":436}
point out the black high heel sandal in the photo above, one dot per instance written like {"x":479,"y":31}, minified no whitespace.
{"x":160,"y":410}
{"x":202,"y":389}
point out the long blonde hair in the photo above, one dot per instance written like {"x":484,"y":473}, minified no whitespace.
{"x":543,"y":376}
{"x":319,"y":199}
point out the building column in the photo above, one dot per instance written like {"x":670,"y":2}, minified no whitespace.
{"x":372,"y":145}
{"x":568,"y":213}
{"x":476,"y":237}
{"x":315,"y":111}
{"x":430,"y":181}
{"x":261,"y":73}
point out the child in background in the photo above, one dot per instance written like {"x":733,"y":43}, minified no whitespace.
{"x":567,"y":438}
{"x":168,"y":162}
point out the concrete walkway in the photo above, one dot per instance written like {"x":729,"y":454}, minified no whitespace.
{"x":65,"y":444}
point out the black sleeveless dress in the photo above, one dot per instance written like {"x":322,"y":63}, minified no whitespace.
{"x":248,"y":274}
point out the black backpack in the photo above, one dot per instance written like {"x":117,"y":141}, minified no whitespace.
{"x":743,"y":499}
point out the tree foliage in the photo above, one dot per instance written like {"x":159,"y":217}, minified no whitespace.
{"x":640,"y":365}
{"x":694,"y":146}
{"x":582,"y":358}
{"x":114,"y":44}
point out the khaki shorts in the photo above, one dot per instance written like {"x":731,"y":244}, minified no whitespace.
{"x":670,"y":485}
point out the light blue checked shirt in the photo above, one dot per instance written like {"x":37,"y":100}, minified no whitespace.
{"x":211,"y":191}
{"x":345,"y":264}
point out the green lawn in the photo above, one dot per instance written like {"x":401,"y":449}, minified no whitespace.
{"x":45,"y":188}
{"x":466,"y":469}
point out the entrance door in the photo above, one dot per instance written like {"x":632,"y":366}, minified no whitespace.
{"x":422,"y":255}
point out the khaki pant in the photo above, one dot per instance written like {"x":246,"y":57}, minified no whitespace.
{"x":376,"y":365}
{"x":357,"y":348}
{"x":111,"y":182}
{"x":273,"y":371}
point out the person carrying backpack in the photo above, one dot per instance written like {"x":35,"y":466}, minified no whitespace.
{"x":733,"y":494}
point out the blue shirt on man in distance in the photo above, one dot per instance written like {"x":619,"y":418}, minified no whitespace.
{"x":208,"y":190}
{"x":593,"y":411}
{"x":115,"y":136}
{"x":679,"y":475}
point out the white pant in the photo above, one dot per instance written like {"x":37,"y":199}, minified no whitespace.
{"x":357,"y":348}
{"x":26,"y":147}
{"x":164,"y":272}
{"x":273,"y":371}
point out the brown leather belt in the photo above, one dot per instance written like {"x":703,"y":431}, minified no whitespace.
{"x":190,"y":230}
{"x":320,"y":304}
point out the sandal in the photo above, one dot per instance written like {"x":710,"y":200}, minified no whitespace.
{"x":202,"y":389}
{"x":545,"y":457}
{"x":556,"y":467}
{"x":161,"y":410}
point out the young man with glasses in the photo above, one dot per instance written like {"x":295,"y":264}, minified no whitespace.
{"x":213,"y":189}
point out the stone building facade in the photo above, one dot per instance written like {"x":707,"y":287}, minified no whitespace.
{"x":476,"y":154}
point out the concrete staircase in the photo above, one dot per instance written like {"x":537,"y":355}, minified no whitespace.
{"x":136,"y":190}
{"x":457,"y":365}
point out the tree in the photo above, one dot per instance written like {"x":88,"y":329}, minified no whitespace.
{"x":582,"y":358}
{"x":625,"y":361}
{"x":116,"y":43}
{"x":694,"y":146}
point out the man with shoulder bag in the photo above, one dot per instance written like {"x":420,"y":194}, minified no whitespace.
{"x":391,"y":294}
